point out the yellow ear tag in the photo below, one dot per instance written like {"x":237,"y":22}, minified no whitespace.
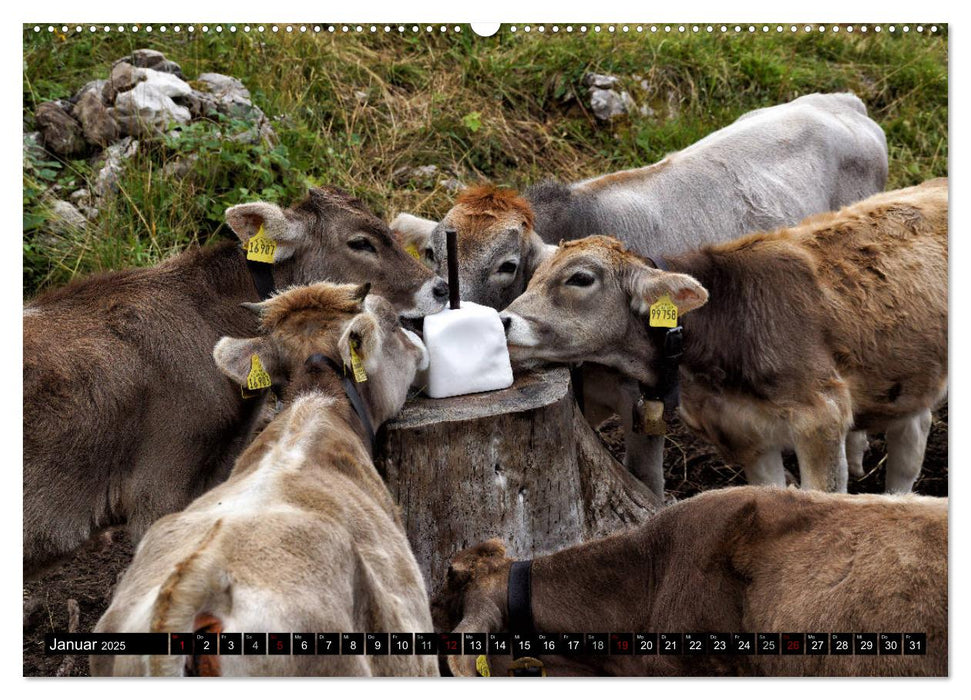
{"x":258,"y":378}
{"x":261,"y":247}
{"x":357,"y":366}
{"x":482,"y":666}
{"x":412,"y":250}
{"x":664,"y":313}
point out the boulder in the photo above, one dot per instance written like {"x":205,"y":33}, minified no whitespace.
{"x":597,"y":80}
{"x":607,"y":104}
{"x":60,"y":132}
{"x":150,"y":58}
{"x":148,"y":107}
{"x":124,"y":76}
{"x":115,"y":155}
{"x":65,"y":217}
{"x":97,"y":124}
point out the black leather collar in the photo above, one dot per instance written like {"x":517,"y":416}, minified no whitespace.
{"x":519,"y":600}
{"x":354,"y":396}
{"x":262,"y":274}
{"x":669,"y":343}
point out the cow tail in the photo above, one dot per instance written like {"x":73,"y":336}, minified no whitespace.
{"x":195,"y":585}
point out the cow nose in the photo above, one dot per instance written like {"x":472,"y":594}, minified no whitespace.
{"x":440,"y":290}
{"x":506,"y":322}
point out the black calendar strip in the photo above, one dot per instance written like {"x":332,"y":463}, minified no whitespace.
{"x":494,"y":643}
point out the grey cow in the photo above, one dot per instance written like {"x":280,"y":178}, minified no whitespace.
{"x":770,"y":168}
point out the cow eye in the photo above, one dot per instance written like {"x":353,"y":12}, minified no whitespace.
{"x":361,"y":244}
{"x":580,"y":279}
{"x":508,"y":268}
{"x":430,"y":254}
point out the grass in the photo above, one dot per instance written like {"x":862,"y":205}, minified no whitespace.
{"x":510,"y":109}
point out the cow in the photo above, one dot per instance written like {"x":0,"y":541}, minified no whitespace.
{"x":745,"y":560}
{"x":303,"y":536}
{"x":772,"y":167}
{"x":126,"y":417}
{"x":838,"y":323}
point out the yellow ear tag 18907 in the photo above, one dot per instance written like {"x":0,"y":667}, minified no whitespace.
{"x":258,"y":378}
{"x":664,"y":314}
{"x":357,"y":366}
{"x":261,"y":247}
{"x":482,"y":666}
{"x":412,"y":250}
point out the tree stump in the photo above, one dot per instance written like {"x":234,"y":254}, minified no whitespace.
{"x":520,"y":464}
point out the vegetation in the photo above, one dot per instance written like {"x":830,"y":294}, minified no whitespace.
{"x":352,"y":109}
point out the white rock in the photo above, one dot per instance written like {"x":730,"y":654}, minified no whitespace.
{"x":149,"y":106}
{"x":607,"y":104}
{"x":115,"y":155}
{"x":596,"y":80}
{"x":65,"y":217}
{"x":467,"y":351}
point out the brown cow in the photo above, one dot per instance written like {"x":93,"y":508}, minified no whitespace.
{"x":748,"y":559}
{"x":126,"y":417}
{"x":838,"y":323}
{"x":303,"y":536}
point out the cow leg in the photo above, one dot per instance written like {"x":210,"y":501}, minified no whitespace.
{"x":644,"y":458}
{"x":822,"y":461}
{"x":766,"y":470}
{"x":856,"y":446}
{"x":906,"y":441}
{"x":644,"y":454}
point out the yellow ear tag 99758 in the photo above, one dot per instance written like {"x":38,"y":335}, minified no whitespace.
{"x":357,"y":366}
{"x":261,"y":247}
{"x":482,"y":666}
{"x":258,"y":378}
{"x":664,"y":313}
{"x":412,"y":250}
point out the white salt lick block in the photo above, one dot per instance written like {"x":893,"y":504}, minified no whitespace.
{"x":467,"y":351}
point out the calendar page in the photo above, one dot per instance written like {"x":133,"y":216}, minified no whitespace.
{"x":522,"y":349}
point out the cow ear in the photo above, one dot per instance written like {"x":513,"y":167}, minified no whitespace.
{"x":646,"y":285}
{"x":415,"y":236}
{"x":364,"y":336}
{"x":246,"y":220}
{"x":537,"y":251}
{"x":234,"y":358}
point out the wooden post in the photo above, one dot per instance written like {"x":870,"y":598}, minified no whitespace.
{"x":520,"y":464}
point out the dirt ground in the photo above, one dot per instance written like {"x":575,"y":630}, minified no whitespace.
{"x":691,"y":466}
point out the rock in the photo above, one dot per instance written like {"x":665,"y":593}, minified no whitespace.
{"x":97,"y":124}
{"x":124,"y":76}
{"x":91,"y":86}
{"x":150,"y":58}
{"x":424,"y":174}
{"x":115,"y":156}
{"x":646,"y":111}
{"x":607,"y":104}
{"x":451,"y":185}
{"x":180,"y":167}
{"x":148,"y":107}
{"x":596,"y":80}
{"x":60,"y":132}
{"x":83,"y":200}
{"x":215,"y":93}
{"x":65,"y":218}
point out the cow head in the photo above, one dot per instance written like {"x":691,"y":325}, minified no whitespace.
{"x":304,"y":324}
{"x":588,"y":302}
{"x":473,"y":598}
{"x":498,"y":248}
{"x":332,"y":236}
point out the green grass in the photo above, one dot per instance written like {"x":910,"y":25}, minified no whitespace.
{"x":510,"y":109}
